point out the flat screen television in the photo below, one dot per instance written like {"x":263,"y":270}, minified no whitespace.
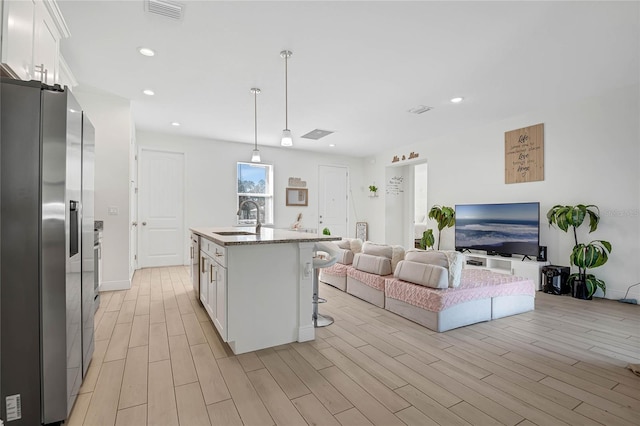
{"x":504,"y":229}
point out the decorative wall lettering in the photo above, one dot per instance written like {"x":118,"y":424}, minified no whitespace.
{"x":395,"y":186}
{"x":412,"y":155}
{"x":524,"y":154}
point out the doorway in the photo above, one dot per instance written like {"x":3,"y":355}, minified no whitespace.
{"x":405,"y":203}
{"x":333,"y":212}
{"x":161,"y":208}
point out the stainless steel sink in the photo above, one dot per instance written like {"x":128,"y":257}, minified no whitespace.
{"x":234,"y":233}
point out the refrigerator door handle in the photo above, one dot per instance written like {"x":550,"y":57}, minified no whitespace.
{"x":74,"y":235}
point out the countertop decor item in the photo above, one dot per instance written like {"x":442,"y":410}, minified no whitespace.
{"x":584,"y":256}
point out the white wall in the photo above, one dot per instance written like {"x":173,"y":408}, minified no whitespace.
{"x":111,"y":117}
{"x":210,"y":191}
{"x":591,"y":156}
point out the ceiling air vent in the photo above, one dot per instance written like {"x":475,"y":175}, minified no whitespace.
{"x":420,"y":109}
{"x":316,"y":134}
{"x":165,"y":8}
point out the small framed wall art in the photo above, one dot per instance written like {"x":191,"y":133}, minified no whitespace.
{"x":297,"y":197}
{"x":361,"y":230}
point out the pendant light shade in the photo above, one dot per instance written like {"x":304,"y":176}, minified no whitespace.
{"x":255,"y":156}
{"x":286,"y":140}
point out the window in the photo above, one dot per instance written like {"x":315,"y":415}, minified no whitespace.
{"x":255,"y":182}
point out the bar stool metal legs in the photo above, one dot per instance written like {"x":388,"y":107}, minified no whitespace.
{"x":319,"y":320}
{"x":321,"y":262}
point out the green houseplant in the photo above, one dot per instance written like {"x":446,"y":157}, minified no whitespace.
{"x":444,"y":216}
{"x":583,"y":256}
{"x":326,"y":231}
{"x":427,"y":239}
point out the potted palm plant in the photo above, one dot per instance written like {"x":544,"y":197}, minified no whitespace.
{"x":427,"y":240}
{"x":583,"y":256}
{"x":444,"y":216}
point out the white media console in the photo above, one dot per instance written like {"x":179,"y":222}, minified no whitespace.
{"x":507,"y":265}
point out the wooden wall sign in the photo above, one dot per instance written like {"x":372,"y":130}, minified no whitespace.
{"x":524,"y":154}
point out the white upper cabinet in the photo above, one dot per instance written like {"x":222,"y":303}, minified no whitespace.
{"x":45,"y":46}
{"x":31,"y":34}
{"x":17,"y":38}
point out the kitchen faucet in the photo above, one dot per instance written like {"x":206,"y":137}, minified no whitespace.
{"x":258,"y":225}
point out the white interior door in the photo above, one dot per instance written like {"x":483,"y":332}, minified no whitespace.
{"x":161,"y":208}
{"x":333,"y":203}
{"x":133,"y":210}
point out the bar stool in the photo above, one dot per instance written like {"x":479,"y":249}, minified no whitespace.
{"x":318,"y":263}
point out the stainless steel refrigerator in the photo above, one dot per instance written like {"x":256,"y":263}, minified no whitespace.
{"x":46,"y":279}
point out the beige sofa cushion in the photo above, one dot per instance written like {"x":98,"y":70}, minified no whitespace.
{"x":378,"y":265}
{"x":451,"y":260}
{"x":353,"y":244}
{"x":345,"y":256}
{"x":432,"y":257}
{"x":425,"y":274}
{"x":396,"y":256}
{"x":376,"y":249}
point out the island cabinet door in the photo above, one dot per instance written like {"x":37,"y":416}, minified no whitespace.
{"x":220,"y":320}
{"x":204,"y":279}
{"x":211,"y":286}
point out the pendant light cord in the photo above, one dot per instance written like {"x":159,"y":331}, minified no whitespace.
{"x":286,"y":91}
{"x":255,"y":107}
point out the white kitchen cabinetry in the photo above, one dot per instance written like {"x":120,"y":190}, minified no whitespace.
{"x":507,"y":265}
{"x":216,"y":305}
{"x":205,"y":262}
{"x":17,"y":38}
{"x":45,"y":46}
{"x":31,"y":34}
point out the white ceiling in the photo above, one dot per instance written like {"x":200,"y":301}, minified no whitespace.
{"x":357,"y":67}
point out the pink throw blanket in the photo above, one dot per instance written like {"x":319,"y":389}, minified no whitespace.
{"x":475,"y":284}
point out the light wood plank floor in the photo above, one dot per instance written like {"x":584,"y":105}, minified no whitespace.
{"x":159,"y":361}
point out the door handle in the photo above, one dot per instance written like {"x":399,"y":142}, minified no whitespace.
{"x":134,"y":223}
{"x":202,"y":259}
{"x":144,"y":223}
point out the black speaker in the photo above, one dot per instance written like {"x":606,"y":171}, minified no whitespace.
{"x":554,"y":279}
{"x":542,"y":254}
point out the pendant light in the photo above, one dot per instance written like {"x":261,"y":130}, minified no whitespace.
{"x":255,"y":156}
{"x":287,"y":140}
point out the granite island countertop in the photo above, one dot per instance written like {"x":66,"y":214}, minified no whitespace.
{"x":266,"y":236}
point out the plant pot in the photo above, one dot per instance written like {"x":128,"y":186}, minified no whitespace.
{"x":579,"y":290}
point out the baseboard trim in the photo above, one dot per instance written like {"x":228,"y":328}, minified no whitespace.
{"x":115,"y":285}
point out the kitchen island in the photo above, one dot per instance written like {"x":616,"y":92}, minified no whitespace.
{"x":257,"y":288}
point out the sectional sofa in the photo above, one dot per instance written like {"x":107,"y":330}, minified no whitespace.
{"x":431,"y":287}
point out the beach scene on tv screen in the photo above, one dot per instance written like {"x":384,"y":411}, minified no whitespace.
{"x":504,"y":228}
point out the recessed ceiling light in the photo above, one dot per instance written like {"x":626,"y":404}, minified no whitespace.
{"x":332,"y":145}
{"x":148,"y":92}
{"x":146,"y":51}
{"x":175,"y":123}
{"x":457,"y":100}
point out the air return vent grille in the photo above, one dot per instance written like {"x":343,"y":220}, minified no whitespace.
{"x":420,"y":109}
{"x":317,"y":134}
{"x":165,"y":8}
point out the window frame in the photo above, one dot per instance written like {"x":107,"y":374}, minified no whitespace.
{"x":269,"y":205}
